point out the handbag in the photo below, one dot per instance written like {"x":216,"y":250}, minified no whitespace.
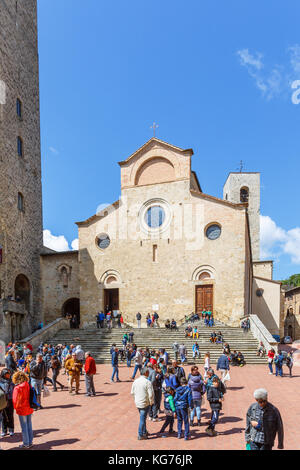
{"x":248,"y":446}
{"x":227,"y":377}
{"x":46,"y":392}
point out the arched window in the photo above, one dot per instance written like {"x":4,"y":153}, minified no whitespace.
{"x":19,"y":107}
{"x":20,"y":202}
{"x":244,"y":194}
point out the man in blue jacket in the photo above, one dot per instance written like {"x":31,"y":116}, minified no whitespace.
{"x":183,"y":401}
{"x":223,"y":366}
{"x":115,"y":365}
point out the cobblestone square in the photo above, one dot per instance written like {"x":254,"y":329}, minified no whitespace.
{"x":110,"y":420}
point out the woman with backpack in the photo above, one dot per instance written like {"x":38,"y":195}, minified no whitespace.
{"x":21,"y":403}
{"x":198,"y":388}
{"x":289,"y":362}
{"x":7,"y":387}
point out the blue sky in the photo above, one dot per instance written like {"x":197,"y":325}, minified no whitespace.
{"x":216,"y":76}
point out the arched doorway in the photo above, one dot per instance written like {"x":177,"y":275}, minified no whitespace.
{"x":72,"y":308}
{"x":22,"y":290}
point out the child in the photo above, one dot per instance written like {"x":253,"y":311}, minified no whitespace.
{"x":170,"y":411}
{"x":215,"y":398}
{"x":183,"y":401}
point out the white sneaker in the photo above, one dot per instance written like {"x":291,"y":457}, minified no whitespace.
{"x":149,"y":419}
{"x":270,"y":373}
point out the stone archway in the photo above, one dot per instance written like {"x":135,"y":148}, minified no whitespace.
{"x":70,"y":308}
{"x":22,"y":290}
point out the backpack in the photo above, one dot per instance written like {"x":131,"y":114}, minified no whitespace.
{"x":222,"y":387}
{"x":33,"y":399}
{"x":3,"y":400}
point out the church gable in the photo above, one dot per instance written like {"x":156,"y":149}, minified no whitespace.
{"x":156,"y":162}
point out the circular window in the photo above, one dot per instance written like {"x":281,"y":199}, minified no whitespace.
{"x":259,"y":292}
{"x":213,"y":232}
{"x":103,"y":241}
{"x":155,"y":216}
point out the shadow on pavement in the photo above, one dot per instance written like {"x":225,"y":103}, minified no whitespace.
{"x":49,"y":445}
{"x":71,"y":405}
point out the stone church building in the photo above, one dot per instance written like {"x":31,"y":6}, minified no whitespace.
{"x":163,"y":246}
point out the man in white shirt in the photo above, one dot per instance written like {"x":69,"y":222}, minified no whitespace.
{"x":143,"y":393}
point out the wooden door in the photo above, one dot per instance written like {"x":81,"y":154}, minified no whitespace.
{"x":204,"y":298}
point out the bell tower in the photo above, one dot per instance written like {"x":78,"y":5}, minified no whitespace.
{"x":20,"y":169}
{"x":245,"y":187}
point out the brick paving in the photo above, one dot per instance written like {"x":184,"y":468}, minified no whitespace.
{"x":110,"y":420}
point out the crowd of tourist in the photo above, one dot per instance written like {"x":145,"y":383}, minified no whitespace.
{"x":162,"y":381}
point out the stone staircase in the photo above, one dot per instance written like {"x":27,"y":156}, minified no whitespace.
{"x":99,"y":341}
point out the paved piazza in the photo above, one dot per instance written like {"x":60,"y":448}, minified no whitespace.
{"x":110,"y":420}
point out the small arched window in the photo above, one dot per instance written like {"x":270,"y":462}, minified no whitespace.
{"x":19,"y":107}
{"x":244,"y":194}
{"x":20,"y":202}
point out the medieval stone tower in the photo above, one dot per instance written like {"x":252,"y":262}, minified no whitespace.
{"x":245,"y":187}
{"x":20,"y":169}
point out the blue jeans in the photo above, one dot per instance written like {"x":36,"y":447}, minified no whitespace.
{"x":196,"y":410}
{"x":270,"y":367}
{"x":182,"y":357}
{"x":214,"y":419}
{"x":143,"y":416}
{"x":136,"y":368}
{"x":128,"y":362}
{"x":115,"y":373}
{"x":278,"y":370}
{"x":26,"y":426}
{"x":37,"y":385}
{"x":183,"y":416}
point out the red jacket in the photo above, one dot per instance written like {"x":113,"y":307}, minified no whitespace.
{"x":90,"y":366}
{"x":21,"y":397}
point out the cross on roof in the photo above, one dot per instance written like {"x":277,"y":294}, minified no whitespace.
{"x":154,"y":127}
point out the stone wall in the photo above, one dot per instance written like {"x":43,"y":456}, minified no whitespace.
{"x":59,"y":282}
{"x":266,"y":303}
{"x":291,"y":313}
{"x":20,"y":230}
{"x":263,"y":269}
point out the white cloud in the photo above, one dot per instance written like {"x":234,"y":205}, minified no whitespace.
{"x":275,"y":241}
{"x":249,"y":59}
{"x":275,"y":80}
{"x":74,"y":244}
{"x":54,"y":150}
{"x":57,"y":243}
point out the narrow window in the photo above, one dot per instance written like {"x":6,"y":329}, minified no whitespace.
{"x":20,"y":202}
{"x":20,"y":147}
{"x":154,"y":253}
{"x":19,"y":108}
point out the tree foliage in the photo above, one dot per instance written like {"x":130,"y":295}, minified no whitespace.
{"x":292,"y":281}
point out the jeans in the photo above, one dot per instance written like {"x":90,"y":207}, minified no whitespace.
{"x":89,"y":383}
{"x":27,"y":433}
{"x":258,"y":446}
{"x":115,"y":373}
{"x":196,"y":410}
{"x":278,"y":370}
{"x":136,"y":368}
{"x":214,"y":419}
{"x":143,"y":416}
{"x":182,"y":357}
{"x":196,"y":353}
{"x":270,"y":367}
{"x":183,"y":416}
{"x":154,"y":409}
{"x":55,"y":374}
{"x":169,"y":422}
{"x":37,"y":385}
{"x":128,"y":362}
